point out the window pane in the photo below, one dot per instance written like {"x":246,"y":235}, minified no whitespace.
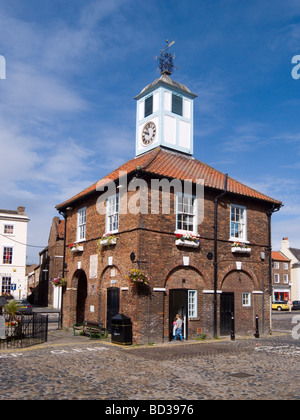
{"x":6,"y":285}
{"x":238,"y":222}
{"x":9,"y":229}
{"x":185,"y":213}
{"x":113,"y":213}
{"x":177,"y":104}
{"x":148,"y":106}
{"x":192,"y":304}
{"x":7,"y":255}
{"x":81,"y":226}
{"x":246,"y":299}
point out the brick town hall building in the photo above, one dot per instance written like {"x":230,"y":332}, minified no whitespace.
{"x":226,"y":271}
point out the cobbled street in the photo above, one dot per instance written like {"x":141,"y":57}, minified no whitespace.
{"x":76,"y":368}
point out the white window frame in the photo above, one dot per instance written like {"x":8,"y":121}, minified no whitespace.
{"x":286,"y":279}
{"x":4,"y":287}
{"x":81,"y":224}
{"x":243,"y":236}
{"x":192,"y":304}
{"x":193,"y":215}
{"x":12,"y":254}
{"x":246,"y":299}
{"x":112,"y":214}
{"x":276,"y":265}
{"x":11,"y":225}
{"x":276,"y":278}
{"x":285,"y":266}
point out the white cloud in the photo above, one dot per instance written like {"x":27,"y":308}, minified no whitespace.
{"x":287,"y":228}
{"x":28,"y":90}
{"x":286,"y":222}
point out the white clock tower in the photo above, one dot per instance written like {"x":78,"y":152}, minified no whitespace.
{"x":164,"y":116}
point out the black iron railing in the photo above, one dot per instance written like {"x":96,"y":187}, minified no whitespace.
{"x":24,"y":331}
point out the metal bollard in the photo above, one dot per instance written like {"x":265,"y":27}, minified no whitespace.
{"x":232,"y":334}
{"x":256,"y":335}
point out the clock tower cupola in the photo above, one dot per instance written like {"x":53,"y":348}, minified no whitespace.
{"x":165,"y":112}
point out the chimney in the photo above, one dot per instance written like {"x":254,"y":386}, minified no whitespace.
{"x":21,"y":210}
{"x":285,"y":243}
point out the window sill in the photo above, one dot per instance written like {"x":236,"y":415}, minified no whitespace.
{"x":79,"y":241}
{"x":239,"y":240}
{"x":77,"y":249}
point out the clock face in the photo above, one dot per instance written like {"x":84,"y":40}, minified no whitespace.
{"x":149,"y":133}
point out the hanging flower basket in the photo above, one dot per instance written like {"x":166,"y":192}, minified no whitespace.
{"x":59,"y":282}
{"x":137,"y":277}
{"x":187,"y":240}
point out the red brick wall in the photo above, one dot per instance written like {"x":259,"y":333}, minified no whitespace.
{"x":151,"y":238}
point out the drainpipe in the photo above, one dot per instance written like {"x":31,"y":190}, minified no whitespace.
{"x":216,"y":254}
{"x":65,"y":216}
{"x":269,"y":213}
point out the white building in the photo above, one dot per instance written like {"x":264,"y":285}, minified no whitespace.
{"x":13,"y":240}
{"x":294,"y":255}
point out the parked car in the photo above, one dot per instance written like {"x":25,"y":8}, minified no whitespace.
{"x":296,"y":305}
{"x":280,"y":306}
{"x":25,"y":307}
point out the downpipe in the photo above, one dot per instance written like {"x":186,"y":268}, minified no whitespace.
{"x":216,"y":254}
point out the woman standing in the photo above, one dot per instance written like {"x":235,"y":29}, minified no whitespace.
{"x":178,"y":331}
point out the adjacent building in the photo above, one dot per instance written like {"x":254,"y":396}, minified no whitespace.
{"x":293,"y":254}
{"x":13,"y":241}
{"x":50,"y":267}
{"x":281,"y":277}
{"x":199,"y":239}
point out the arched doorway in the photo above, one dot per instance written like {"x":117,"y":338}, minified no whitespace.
{"x":178,"y":304}
{"x":237,"y":298}
{"x":112,"y":305}
{"x":184,"y":286}
{"x":81,"y":296}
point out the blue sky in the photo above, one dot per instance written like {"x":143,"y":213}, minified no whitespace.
{"x":73,"y":67}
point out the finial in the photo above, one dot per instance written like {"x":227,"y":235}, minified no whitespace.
{"x":166,"y":63}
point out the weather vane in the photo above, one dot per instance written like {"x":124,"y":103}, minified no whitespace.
{"x":166,"y":59}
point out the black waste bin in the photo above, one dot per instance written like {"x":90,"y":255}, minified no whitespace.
{"x":121,"y":330}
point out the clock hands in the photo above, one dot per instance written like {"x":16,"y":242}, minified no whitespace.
{"x":149,"y":133}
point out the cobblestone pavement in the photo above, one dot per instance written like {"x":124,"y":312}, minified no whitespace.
{"x":72,"y":368}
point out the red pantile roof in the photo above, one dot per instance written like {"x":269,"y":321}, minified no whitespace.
{"x":278,"y":256}
{"x":169,"y":164}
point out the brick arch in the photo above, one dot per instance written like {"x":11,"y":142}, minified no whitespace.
{"x":105,"y":277}
{"x":75,"y":278}
{"x":237,"y":279}
{"x":185,"y":278}
{"x":80,"y":293}
{"x":239,"y":282}
{"x":194,"y":279}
